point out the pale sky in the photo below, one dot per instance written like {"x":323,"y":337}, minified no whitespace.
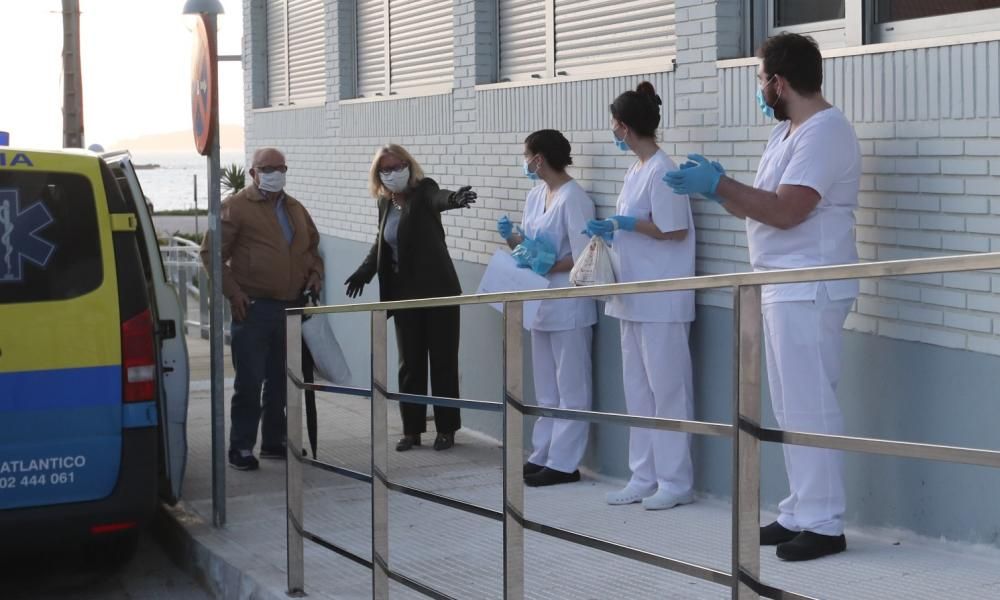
{"x":136,"y":62}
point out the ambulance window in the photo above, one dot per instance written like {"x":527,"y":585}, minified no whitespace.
{"x":122,"y":185}
{"x":50,"y":246}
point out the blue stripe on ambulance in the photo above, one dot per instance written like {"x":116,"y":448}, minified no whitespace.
{"x":62,"y":434}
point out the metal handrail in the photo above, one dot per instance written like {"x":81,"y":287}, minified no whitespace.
{"x":889,"y":268}
{"x":182,"y":241}
{"x":745,"y":429}
{"x":185,"y":270}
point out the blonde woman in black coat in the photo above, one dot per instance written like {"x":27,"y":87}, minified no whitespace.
{"x":411,"y":260}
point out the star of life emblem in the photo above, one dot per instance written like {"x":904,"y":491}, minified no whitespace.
{"x":20,"y":241}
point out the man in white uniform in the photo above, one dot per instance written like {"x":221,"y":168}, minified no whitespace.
{"x":799,"y":213}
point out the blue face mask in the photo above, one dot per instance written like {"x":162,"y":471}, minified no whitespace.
{"x":764,"y":107}
{"x":532,"y":175}
{"x":620,"y":142}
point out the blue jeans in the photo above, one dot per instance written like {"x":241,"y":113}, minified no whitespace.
{"x":258,"y":350}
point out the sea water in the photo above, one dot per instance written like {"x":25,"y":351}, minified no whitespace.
{"x":170,"y":185}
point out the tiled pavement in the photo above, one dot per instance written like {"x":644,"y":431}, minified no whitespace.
{"x":461,"y":554}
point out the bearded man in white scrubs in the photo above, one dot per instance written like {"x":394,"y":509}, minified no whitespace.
{"x":799,"y":213}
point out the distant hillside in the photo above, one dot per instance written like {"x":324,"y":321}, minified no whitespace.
{"x":231,"y":139}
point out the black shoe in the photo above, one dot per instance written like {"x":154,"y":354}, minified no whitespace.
{"x":242,"y":463}
{"x":407,"y":441}
{"x":443,"y":441}
{"x":531,"y":468}
{"x":549,"y":476}
{"x":775,"y":533}
{"x":808,"y":546}
{"x":276,"y":453}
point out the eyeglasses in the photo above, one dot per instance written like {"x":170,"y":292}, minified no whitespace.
{"x":391,"y":170}
{"x":763,"y":83}
{"x":270,"y":169}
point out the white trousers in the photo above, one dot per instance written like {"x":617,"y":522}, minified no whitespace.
{"x":803,"y":341}
{"x":656,"y":369}
{"x":562,"y":374}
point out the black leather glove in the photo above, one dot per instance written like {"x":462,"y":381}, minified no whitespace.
{"x":355,"y":284}
{"x":463,"y":197}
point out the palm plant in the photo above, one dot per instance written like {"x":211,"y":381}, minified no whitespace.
{"x":233,"y":178}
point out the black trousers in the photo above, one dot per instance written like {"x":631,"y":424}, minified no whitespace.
{"x":422,"y":334}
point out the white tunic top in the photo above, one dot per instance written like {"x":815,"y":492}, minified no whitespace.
{"x":822,"y":154}
{"x":561,"y":226}
{"x":638,"y":257}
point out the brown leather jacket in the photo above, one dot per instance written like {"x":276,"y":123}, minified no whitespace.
{"x":255,"y":257}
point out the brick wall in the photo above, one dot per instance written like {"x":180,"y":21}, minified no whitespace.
{"x":928,"y":120}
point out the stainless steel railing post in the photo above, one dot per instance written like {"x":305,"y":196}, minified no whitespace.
{"x":293,"y":468}
{"x":746,"y":445}
{"x":202,"y":302}
{"x":182,"y":295}
{"x":513,"y":455}
{"x":379,"y":457}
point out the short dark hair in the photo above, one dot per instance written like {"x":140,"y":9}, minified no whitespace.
{"x":551,"y":144}
{"x":796,"y":58}
{"x":639,"y":110}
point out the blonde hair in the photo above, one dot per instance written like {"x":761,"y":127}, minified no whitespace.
{"x":375,"y":187}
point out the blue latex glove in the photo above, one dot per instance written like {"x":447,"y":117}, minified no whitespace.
{"x":702,"y":177}
{"x":537,"y":255}
{"x":602,"y":227}
{"x":544,"y":259}
{"x":505,"y":227}
{"x":718,"y":167}
{"x":521,"y":257}
{"x":623,"y":222}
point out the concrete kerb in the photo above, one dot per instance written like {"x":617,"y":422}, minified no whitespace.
{"x":193,"y":545}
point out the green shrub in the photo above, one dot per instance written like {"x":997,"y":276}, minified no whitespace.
{"x":233,"y":179}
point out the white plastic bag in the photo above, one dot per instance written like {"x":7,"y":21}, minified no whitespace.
{"x":328,"y":358}
{"x":594,"y":266}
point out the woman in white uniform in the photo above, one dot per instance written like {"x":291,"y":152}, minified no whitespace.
{"x":653,"y":238}
{"x":557,"y":211}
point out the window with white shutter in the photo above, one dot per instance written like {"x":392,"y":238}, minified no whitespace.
{"x":554,"y":38}
{"x":599,"y":35}
{"x":296,"y":52}
{"x":421,"y":44}
{"x":404,"y":46}
{"x":306,"y":51}
{"x":277,"y":73}
{"x":371,"y":47}
{"x":522,"y":27}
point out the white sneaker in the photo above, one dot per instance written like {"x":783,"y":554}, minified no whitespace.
{"x":664,"y":499}
{"x":630,"y":494}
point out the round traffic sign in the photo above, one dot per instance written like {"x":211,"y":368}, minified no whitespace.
{"x":204,"y":86}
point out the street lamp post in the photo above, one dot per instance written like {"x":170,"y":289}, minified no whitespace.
{"x":209,"y":10}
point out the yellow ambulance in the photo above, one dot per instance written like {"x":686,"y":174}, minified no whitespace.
{"x":93,"y":363}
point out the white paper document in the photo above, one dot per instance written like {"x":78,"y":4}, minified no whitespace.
{"x":503,"y":275}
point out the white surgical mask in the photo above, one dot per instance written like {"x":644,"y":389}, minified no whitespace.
{"x":396,"y":181}
{"x":272,"y":182}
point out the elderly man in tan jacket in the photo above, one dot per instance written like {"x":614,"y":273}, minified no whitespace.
{"x":270,"y":255}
